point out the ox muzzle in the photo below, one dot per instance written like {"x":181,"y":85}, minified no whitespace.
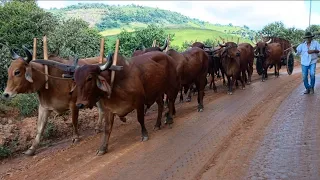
{"x":8,"y":95}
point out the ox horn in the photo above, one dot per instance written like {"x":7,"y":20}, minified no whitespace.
{"x":108,"y":64}
{"x":222,"y":45}
{"x":76,"y":60}
{"x":14,"y":55}
{"x":29,"y":54}
{"x":164,"y":46}
{"x":269,"y":41}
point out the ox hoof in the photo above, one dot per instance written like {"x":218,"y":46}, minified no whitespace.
{"x":230,"y":93}
{"x":101,"y":152}
{"x":243,"y":88}
{"x":200,"y":110}
{"x":188,"y":100}
{"x":144,"y":138}
{"x":75,"y":140}
{"x":30,"y":152}
{"x":156,"y":128}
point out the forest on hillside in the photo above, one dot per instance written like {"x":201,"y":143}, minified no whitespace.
{"x":114,"y":16}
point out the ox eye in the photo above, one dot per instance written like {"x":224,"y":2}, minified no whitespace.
{"x":17,"y":72}
{"x":89,"y":78}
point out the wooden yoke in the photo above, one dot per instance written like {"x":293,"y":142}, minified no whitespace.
{"x":154,"y":43}
{"x":45,"y":57}
{"x":168,"y":43}
{"x":34,"y":54}
{"x":101,"y":50}
{"x":115,"y":59}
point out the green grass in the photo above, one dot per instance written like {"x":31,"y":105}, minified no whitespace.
{"x":188,"y":34}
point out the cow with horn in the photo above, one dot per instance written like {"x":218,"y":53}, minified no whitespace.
{"x":143,"y":49}
{"x":230,"y":60}
{"x":141,"y":80}
{"x":268,"y":54}
{"x":25,"y":76}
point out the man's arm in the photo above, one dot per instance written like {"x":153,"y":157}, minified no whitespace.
{"x":298,"y":50}
{"x":317,"y":48}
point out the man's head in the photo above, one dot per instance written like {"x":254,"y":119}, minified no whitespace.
{"x":308,"y":36}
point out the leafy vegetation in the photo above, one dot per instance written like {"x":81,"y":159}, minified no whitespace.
{"x":20,"y":22}
{"x":112,"y":19}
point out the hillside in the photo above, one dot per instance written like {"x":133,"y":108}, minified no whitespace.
{"x":111,"y":19}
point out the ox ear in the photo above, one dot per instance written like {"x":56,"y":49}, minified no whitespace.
{"x":103,"y":85}
{"x":28,"y":74}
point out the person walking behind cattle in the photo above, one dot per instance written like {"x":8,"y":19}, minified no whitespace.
{"x":308,"y":51}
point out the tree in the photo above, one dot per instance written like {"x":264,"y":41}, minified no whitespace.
{"x":130,"y":41}
{"x":20,"y":22}
{"x":74,"y":37}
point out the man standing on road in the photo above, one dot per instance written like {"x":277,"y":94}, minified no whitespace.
{"x":308,"y":51}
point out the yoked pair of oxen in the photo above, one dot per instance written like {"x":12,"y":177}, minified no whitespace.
{"x":139,"y":82}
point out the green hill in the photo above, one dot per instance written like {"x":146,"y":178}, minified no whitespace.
{"x":111,"y":19}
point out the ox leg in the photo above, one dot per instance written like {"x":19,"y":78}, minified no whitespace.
{"x":191,"y":90}
{"x":213,"y":83}
{"x":181,"y":95}
{"x":277,"y":67}
{"x":242,"y":79}
{"x":250,"y":71}
{"x":169,"y":114}
{"x":188,"y":99}
{"x":75,"y":116}
{"x":42,"y":121}
{"x":160,"y":110}
{"x":109,"y":119}
{"x":101,"y":115}
{"x":230,"y":84}
{"x":200,"y":86}
{"x":140,"y":116}
{"x":224,"y":81}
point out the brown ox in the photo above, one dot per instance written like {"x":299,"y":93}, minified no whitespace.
{"x":143,"y":80}
{"x":192,"y":67}
{"x":138,"y":52}
{"x":246,"y":61}
{"x":230,"y":60}
{"x":267,"y":54}
{"x":213,"y":67}
{"x":28,"y":77}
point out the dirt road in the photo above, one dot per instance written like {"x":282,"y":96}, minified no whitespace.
{"x":267,"y":131}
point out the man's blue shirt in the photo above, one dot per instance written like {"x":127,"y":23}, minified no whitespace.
{"x":302,"y":50}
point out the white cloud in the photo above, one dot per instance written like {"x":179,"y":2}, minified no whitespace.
{"x":254,"y":14}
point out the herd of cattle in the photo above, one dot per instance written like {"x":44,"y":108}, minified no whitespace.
{"x":140,"y":81}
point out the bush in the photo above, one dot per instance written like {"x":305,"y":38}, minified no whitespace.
{"x":74,"y":37}
{"x":4,"y":152}
{"x":129,"y":41}
{"x":27,"y":104}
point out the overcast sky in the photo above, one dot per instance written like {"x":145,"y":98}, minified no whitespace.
{"x":254,"y":14}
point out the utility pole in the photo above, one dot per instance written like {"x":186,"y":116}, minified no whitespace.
{"x":310,"y":15}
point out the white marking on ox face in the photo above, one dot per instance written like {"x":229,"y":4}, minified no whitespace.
{"x":9,"y":94}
